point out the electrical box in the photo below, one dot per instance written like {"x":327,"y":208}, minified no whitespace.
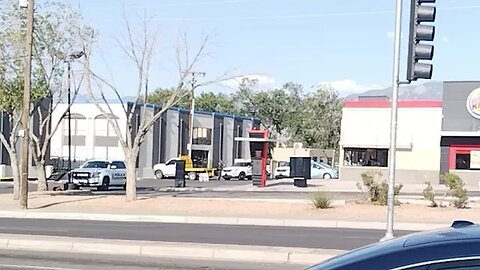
{"x":23,"y":3}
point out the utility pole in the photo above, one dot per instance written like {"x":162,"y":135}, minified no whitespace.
{"x":69,"y":100}
{"x":24,"y":160}
{"x":193,"y":82}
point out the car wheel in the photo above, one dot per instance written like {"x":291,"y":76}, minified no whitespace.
{"x":241,"y":176}
{"x":192,"y":176}
{"x":105,"y":184}
{"x":158,"y":174}
{"x":250,"y":177}
{"x":327,"y":176}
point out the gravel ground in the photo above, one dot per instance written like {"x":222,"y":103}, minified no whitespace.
{"x":231,"y":208}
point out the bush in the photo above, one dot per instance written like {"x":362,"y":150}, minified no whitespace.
{"x":429,"y":194}
{"x":321,"y":200}
{"x":457,"y":189}
{"x":376,"y":189}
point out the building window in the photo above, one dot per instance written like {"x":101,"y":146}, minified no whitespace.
{"x":202,"y":136}
{"x":366,"y":157}
{"x":78,"y":125}
{"x":462,"y":162}
{"x":104,"y":127}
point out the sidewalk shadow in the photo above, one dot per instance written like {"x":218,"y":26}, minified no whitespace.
{"x":176,"y":194}
{"x":309,"y":184}
{"x":65,"y":202}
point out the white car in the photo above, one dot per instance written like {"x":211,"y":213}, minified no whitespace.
{"x":282,"y":171}
{"x":167,"y":169}
{"x":101,"y":174}
{"x":240,"y":170}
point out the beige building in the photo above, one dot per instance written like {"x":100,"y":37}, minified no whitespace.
{"x":319,"y":155}
{"x":365,"y":137}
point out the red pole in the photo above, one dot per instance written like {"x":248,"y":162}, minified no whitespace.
{"x":264,"y":159}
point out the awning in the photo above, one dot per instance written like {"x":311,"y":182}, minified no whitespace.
{"x":460,"y":133}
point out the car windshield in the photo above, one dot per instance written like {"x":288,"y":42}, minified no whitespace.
{"x":96,"y":164}
{"x":241,"y":164}
{"x":283,"y":164}
{"x":326,"y":166}
{"x":322,"y":165}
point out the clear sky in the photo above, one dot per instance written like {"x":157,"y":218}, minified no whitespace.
{"x":346,"y":42}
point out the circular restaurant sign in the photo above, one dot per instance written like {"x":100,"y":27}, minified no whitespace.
{"x":473,"y":103}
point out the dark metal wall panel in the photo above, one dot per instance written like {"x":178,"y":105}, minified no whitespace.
{"x":455,"y":114}
{"x":163,"y":137}
{"x":183,"y":132}
{"x":238,"y":132}
{"x":444,"y":159}
{"x":157,"y":139}
{"x":217,"y":139}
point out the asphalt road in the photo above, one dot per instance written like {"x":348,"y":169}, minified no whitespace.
{"x":151,"y":187}
{"x":14,"y":260}
{"x":325,"y":238}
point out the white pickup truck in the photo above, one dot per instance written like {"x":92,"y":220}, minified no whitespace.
{"x":168,"y":169}
{"x":101,"y":174}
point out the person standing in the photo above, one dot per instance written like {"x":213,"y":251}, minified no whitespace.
{"x":221,"y":165}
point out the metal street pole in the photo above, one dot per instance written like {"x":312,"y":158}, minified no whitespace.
{"x":393,"y":122}
{"x":69,"y":68}
{"x":24,"y":161}
{"x":71,"y":57}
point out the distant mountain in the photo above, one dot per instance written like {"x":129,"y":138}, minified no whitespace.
{"x":427,"y":91}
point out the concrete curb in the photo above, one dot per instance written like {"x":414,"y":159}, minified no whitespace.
{"x":253,"y":189}
{"x":305,"y":201}
{"x":300,"y":256}
{"x":310,"y":223}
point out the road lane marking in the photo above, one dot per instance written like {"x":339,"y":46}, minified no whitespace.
{"x":35,"y":267}
{"x":27,"y":229}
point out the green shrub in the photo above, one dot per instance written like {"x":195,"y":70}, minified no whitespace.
{"x":429,"y":194}
{"x":321,"y":200}
{"x":376,"y":189}
{"x":457,"y":189}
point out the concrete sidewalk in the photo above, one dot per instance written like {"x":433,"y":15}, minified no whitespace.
{"x":232,"y":211}
{"x":297,"y":256}
{"x":407,"y":226}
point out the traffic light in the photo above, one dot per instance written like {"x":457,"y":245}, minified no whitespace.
{"x":419,"y":33}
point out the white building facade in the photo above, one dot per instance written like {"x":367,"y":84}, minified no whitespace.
{"x":365,"y":138}
{"x":93,"y":137}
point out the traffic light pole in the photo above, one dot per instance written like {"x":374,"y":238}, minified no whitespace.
{"x":419,"y":32}
{"x":393,"y":122}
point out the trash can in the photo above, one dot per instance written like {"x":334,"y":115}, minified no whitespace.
{"x":257,"y":172}
{"x":300,"y":170}
{"x":180,"y":174}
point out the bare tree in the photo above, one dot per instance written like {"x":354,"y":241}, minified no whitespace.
{"x":47,"y":127}
{"x":57,"y":32}
{"x":140,"y":46}
{"x":57,"y":39}
{"x":10,"y":144}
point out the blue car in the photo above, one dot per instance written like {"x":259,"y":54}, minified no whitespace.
{"x":455,"y":248}
{"x":323,"y":171}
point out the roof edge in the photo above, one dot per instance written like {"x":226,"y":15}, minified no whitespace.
{"x":387,"y":104}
